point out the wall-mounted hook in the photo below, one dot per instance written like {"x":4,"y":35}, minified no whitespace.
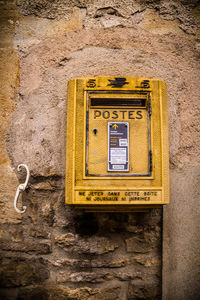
{"x":21,"y":188}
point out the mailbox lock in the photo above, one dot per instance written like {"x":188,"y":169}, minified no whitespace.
{"x":95,"y":131}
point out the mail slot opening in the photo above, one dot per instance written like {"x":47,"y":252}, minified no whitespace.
{"x":108,"y":102}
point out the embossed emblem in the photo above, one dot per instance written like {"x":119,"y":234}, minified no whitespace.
{"x":117,"y":82}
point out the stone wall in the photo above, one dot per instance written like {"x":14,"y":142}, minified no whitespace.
{"x":53,"y":251}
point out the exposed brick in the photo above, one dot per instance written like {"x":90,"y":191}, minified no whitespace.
{"x":92,"y":277}
{"x":20,"y":272}
{"x":148,"y":290}
{"x":92,"y":245}
{"x":137,"y":245}
{"x":27,"y":246}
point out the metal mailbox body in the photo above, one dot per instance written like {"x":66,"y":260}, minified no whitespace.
{"x":117,"y":156}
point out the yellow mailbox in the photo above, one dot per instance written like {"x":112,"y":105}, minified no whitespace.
{"x":117,"y":156}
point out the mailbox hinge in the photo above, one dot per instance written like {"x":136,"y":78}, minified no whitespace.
{"x":150,"y":161}
{"x":149,"y":108}
{"x":87,"y":128}
{"x":150,"y":152}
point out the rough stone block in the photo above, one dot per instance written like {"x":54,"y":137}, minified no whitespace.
{"x":20,"y":272}
{"x":30,"y":246}
{"x":148,"y":290}
{"x":62,"y":293}
{"x":92,"y":245}
{"x":54,"y":292}
{"x":92,"y":277}
{"x":137,"y":245}
{"x":92,"y":262}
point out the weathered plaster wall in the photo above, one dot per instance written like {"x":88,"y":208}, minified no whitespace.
{"x":52,"y":251}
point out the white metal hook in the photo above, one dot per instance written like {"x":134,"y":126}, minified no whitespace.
{"x":21,"y":188}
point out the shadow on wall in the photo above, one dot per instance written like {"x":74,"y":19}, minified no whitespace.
{"x":88,"y":224}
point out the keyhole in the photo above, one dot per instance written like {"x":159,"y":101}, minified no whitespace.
{"x":95,"y":131}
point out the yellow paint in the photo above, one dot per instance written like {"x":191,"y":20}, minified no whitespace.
{"x":89,"y":184}
{"x":138,"y":133}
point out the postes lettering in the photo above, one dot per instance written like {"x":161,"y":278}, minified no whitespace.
{"x":115,"y":114}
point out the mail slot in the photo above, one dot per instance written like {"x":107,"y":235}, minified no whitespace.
{"x":117,"y":144}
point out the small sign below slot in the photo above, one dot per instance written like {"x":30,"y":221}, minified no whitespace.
{"x":118,"y":146}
